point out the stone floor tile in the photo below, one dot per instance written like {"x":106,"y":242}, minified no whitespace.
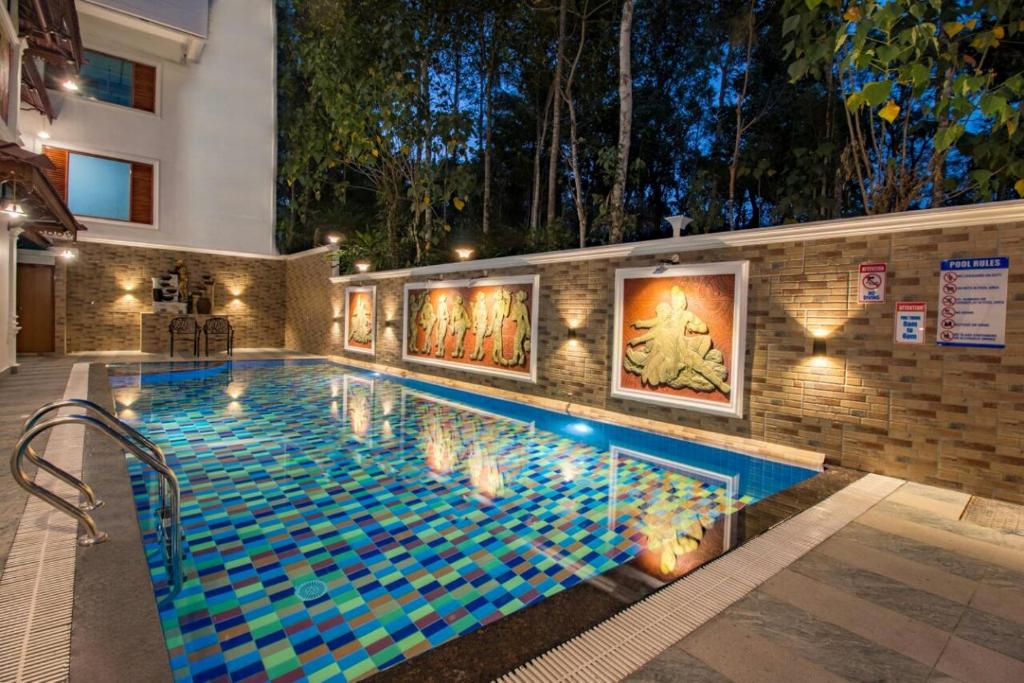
{"x":967,"y":661}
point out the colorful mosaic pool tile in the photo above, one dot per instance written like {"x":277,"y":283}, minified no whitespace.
{"x":338,"y":523}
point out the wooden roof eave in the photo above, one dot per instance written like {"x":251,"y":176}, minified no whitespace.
{"x":33,"y":90}
{"x":33,"y":180}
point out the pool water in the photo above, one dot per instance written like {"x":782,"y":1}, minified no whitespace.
{"x":338,"y":522}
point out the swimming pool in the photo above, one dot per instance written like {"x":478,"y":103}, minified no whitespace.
{"x":338,"y":522}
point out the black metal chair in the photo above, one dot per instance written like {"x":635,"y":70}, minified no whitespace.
{"x":221,"y":328}
{"x":185,"y":326}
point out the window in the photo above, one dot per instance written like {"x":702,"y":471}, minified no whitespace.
{"x":103,"y":187}
{"x":115,"y":80}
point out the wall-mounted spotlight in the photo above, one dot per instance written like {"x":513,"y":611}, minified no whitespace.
{"x":571,"y":334}
{"x":362,"y":266}
{"x":71,"y":85}
{"x":43,"y":135}
{"x":333,"y":240}
{"x":818,"y":348}
{"x":464,"y":253}
{"x":389,"y":323}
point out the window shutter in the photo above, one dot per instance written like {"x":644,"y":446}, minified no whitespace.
{"x":142,"y":193}
{"x":144,"y":87}
{"x":59,"y":175}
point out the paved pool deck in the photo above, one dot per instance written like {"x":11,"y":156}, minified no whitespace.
{"x":910,"y":591}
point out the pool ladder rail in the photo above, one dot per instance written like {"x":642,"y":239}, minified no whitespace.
{"x":103,"y":421}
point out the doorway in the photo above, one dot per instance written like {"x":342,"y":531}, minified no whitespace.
{"x":35,"y":308}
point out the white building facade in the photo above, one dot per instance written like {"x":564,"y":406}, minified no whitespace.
{"x":169,"y":139}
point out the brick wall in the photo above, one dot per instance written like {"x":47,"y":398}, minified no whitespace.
{"x":948,"y":416}
{"x":108,"y":286}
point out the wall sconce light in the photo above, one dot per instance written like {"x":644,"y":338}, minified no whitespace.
{"x":571,"y":334}
{"x":362,"y":266}
{"x":464,"y":253}
{"x":43,"y":135}
{"x":68,"y":254}
{"x":12,"y":207}
{"x":71,"y":85}
{"x":819,"y":348}
{"x":333,"y":240}
{"x":389,"y":323}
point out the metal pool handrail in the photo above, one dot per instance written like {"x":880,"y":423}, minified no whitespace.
{"x":170,"y":512}
{"x":105,"y":416}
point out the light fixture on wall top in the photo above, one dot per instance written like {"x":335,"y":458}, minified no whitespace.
{"x":362,"y":266}
{"x":464,"y":253}
{"x":333,"y":240}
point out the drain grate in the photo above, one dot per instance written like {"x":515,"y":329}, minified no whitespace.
{"x":311,"y":590}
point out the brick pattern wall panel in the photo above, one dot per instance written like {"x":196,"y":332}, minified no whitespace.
{"x":948,"y":416}
{"x":109,"y":286}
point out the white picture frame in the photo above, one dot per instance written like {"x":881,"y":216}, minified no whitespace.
{"x":736,"y":363}
{"x":452,"y":364}
{"x":372,"y":291}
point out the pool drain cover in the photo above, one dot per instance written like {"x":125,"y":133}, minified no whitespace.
{"x":311,"y":590}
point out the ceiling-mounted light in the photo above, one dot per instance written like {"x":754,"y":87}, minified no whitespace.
{"x":70,"y":84}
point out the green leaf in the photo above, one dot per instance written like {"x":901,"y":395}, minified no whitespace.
{"x":876,"y":92}
{"x":992,"y":104}
{"x":981,"y":176}
{"x":798,"y":69}
{"x":790,"y":24}
{"x":947,"y":137}
{"x":811,"y":4}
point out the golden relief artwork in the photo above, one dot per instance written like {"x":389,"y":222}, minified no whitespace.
{"x":360,"y":303}
{"x":676,"y":350}
{"x":680,"y":335}
{"x":483,"y":324}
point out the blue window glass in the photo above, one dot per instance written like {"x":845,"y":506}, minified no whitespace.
{"x":99,"y":187}
{"x":106,"y":78}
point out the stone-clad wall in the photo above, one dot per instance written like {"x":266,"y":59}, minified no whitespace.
{"x":949,"y":416}
{"x":108,"y":286}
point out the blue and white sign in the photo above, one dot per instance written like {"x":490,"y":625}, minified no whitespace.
{"x":910,"y":317}
{"x":972,"y":302}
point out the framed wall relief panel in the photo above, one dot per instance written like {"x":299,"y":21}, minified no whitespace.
{"x":679,"y":336}
{"x":486,"y":326}
{"x":360,"y":319}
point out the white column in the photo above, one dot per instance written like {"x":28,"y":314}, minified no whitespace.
{"x":10,"y":304}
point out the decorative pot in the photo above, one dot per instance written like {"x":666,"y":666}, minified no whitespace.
{"x":204,"y":305}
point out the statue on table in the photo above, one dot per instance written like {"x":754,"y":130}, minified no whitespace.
{"x":460,"y":324}
{"x":441,"y":330}
{"x":182,"y":272}
{"x":479,"y":325}
{"x":520,"y":315}
{"x":677,"y":350}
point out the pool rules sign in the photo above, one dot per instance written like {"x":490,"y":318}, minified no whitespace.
{"x":972,"y":302}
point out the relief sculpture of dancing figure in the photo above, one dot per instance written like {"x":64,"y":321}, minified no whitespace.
{"x":520,"y":315}
{"x":415,"y":305}
{"x":502,"y":300}
{"x":427,"y":320}
{"x":677,"y":349}
{"x":460,"y":324}
{"x":479,"y":325}
{"x":441,"y":329}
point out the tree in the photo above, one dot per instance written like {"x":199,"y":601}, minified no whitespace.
{"x":617,"y":197}
{"x":922,"y":92}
